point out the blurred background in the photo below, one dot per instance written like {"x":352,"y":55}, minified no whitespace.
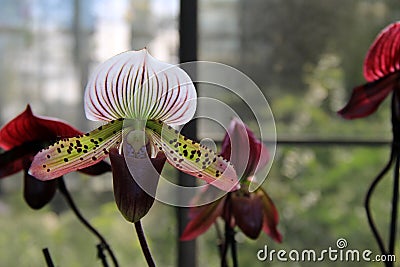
{"x":305,"y":55}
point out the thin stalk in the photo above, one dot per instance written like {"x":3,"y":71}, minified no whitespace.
{"x":104,"y":245}
{"x":229,"y":233}
{"x":227,"y":217}
{"x":233,"y":247}
{"x":396,"y":150}
{"x":371,"y":190}
{"x":395,"y":204}
{"x":143,"y":244}
{"x":224,"y":262}
{"x":101,"y":255}
{"x":220,"y":240}
{"x":47,"y":257}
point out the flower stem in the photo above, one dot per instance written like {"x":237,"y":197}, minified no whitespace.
{"x":233,"y":246}
{"x":143,"y":244}
{"x":395,"y":108}
{"x":103,"y":243}
{"x":220,"y":241}
{"x":227,"y":218}
{"x":371,"y":190}
{"x":47,"y":257}
{"x":395,"y":202}
{"x":224,"y":249}
{"x":229,"y":234}
{"x":101,"y":255}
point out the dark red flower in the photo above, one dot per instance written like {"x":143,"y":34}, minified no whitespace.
{"x":250,"y":211}
{"x":21,"y":139}
{"x":381,"y":70}
{"x":249,"y":155}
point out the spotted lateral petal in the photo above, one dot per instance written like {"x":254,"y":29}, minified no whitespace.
{"x":383,"y":57}
{"x":135,"y":85}
{"x":71,"y":154}
{"x":192,"y":157}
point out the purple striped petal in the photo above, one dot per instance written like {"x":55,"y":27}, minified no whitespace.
{"x":383,"y":57}
{"x":135,"y":85}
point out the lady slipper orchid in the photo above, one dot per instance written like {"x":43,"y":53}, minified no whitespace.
{"x":250,"y":211}
{"x":382,"y":72}
{"x":140,"y":98}
{"x":21,"y":139}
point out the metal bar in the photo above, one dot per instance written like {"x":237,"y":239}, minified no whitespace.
{"x":325,"y":142}
{"x":187,"y":52}
{"x":330,"y":142}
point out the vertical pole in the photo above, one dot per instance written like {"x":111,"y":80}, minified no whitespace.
{"x":80,"y":52}
{"x":187,"y":52}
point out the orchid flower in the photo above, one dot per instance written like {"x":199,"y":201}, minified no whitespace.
{"x":141,"y":99}
{"x":250,"y":211}
{"x":381,"y":70}
{"x":21,"y":139}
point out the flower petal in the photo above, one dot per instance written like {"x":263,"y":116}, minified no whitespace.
{"x":271,"y":216}
{"x":97,"y":169}
{"x":17,"y":159}
{"x":247,"y":210}
{"x":199,"y":224}
{"x":192,"y":158}
{"x":38,"y":193}
{"x":383,"y":56}
{"x":71,"y":154}
{"x":249,"y":154}
{"x":132,"y":201}
{"x":366,"y":98}
{"x":135,"y":85}
{"x":27,"y":127}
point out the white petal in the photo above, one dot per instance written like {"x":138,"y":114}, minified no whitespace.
{"x":135,"y":85}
